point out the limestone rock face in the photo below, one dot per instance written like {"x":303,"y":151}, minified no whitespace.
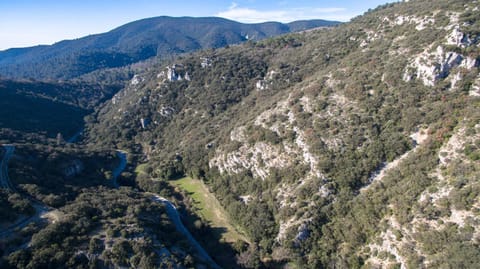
{"x":432,"y":66}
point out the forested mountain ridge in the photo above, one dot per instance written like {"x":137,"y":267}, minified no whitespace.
{"x":351,"y":147}
{"x":137,"y":41}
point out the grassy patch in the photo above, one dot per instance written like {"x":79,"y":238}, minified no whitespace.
{"x":140,"y":169}
{"x":208,"y":207}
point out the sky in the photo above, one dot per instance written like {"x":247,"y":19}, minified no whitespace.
{"x":33,"y":22}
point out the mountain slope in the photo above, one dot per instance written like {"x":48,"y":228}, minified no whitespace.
{"x":333,"y":148}
{"x":137,"y":41}
{"x":49,"y":107}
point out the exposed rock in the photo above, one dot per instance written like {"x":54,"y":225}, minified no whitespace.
{"x":475,"y":90}
{"x":459,"y":39}
{"x":433,"y":66}
{"x":187,"y":76}
{"x":418,"y":139}
{"x":258,"y":158}
{"x":308,"y":157}
{"x":264,"y":83}
{"x":469,"y":63}
{"x":206,"y":62}
{"x":261,"y":85}
{"x":454,"y":81}
{"x":144,"y":122}
{"x":173,"y":73}
{"x":161,"y":74}
{"x":399,"y":239}
{"x":238,"y":134}
{"x":136,"y":80}
{"x":245,"y":198}
{"x":210,"y":145}
{"x":303,"y":233}
{"x":389,"y":243}
{"x":398,"y":20}
{"x":166,"y":111}
{"x":420,"y":23}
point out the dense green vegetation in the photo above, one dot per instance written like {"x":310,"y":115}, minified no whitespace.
{"x":104,"y":227}
{"x":357,"y":97}
{"x":12,"y":205}
{"x":58,"y":176}
{"x":50,"y":108}
{"x":288,"y":133}
{"x":90,"y":224}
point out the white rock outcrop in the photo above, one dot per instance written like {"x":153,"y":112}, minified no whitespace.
{"x":136,"y":80}
{"x":420,"y":23}
{"x":205,"y":62}
{"x":430,"y":67}
{"x":458,"y":38}
{"x":261,"y":85}
{"x":258,"y":158}
{"x":475,"y":90}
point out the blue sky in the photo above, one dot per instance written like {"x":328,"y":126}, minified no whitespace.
{"x":32,"y":22}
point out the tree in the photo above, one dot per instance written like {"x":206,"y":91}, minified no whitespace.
{"x":249,"y":258}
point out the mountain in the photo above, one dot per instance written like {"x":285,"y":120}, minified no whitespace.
{"x":137,"y":41}
{"x":352,"y":147}
{"x":356,"y":146}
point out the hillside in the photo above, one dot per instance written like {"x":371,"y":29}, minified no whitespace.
{"x":343,"y":148}
{"x":50,"y":107}
{"x":60,"y":208}
{"x":137,"y":41}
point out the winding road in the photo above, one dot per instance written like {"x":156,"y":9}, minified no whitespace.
{"x":121,"y":166}
{"x":4,"y":179}
{"x":173,"y":214}
{"x":40,"y":209}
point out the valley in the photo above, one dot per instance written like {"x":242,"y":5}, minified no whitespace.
{"x":355,"y":145}
{"x":206,"y":205}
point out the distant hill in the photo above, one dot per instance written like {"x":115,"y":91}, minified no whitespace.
{"x":137,"y":41}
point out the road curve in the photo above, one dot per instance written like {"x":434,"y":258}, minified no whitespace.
{"x":40,"y":211}
{"x":40,"y":208}
{"x":173,"y":214}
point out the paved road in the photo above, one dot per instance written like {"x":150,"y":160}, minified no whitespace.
{"x":173,"y":214}
{"x":121,"y":166}
{"x":75,"y":137}
{"x":40,"y":208}
{"x":4,"y":179}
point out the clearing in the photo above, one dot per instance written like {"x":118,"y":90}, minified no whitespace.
{"x":209,"y":209}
